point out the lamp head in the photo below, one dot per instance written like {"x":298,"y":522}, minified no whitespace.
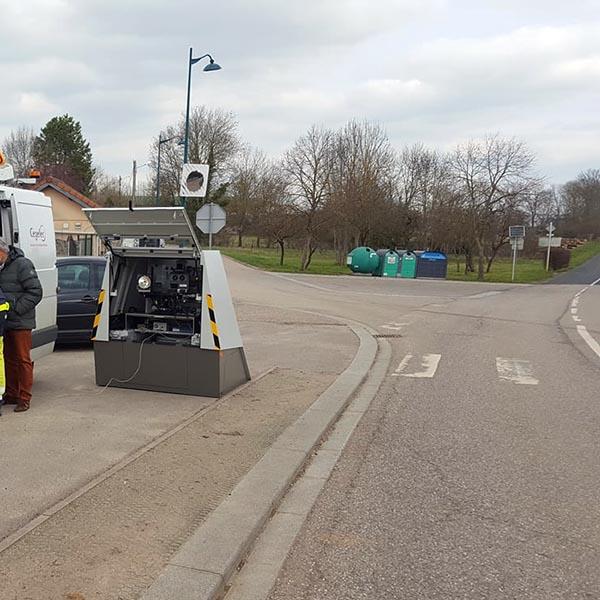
{"x":212,"y":66}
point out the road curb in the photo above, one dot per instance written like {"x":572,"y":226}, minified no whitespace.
{"x":204,"y":565}
{"x":262,"y":566}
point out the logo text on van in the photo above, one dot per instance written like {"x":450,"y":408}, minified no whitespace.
{"x":39,"y":234}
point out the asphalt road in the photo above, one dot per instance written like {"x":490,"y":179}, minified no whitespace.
{"x":475,"y":472}
{"x":586,"y":273}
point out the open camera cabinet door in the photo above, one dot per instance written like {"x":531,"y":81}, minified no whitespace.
{"x":141,"y":336}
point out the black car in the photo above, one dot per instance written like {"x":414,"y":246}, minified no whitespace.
{"x":79,"y":283}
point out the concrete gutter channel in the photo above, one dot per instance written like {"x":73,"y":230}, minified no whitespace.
{"x":204,"y":566}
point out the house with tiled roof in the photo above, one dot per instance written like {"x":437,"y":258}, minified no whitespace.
{"x":75,"y":235}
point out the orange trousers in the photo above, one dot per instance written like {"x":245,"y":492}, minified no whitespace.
{"x":19,"y":368}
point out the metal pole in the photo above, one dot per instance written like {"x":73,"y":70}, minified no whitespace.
{"x":187,"y":110}
{"x":133,"y":181}
{"x":550,"y":232}
{"x":210,"y":220}
{"x":133,"y":185}
{"x":514,"y":259}
{"x":158,"y":173}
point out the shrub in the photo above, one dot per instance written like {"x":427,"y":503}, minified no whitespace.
{"x":559,"y":258}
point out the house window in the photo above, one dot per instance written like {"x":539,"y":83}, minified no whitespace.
{"x":77,"y":225}
{"x":65,"y":226}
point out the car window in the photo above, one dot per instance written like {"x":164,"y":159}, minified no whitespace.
{"x":73,"y":276}
{"x":98,"y":269}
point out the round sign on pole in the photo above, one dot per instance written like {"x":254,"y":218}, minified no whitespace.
{"x":2,"y":159}
{"x":210,"y":218}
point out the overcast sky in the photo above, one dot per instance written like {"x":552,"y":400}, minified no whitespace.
{"x":435,"y":71}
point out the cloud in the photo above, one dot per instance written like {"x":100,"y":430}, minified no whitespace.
{"x":34,"y":104}
{"x":430,"y":70}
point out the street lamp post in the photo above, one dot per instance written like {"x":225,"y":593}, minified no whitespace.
{"x":160,"y":143}
{"x":211,"y":66}
{"x":136,"y":167}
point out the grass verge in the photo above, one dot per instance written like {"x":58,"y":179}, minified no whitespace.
{"x":528,"y":270}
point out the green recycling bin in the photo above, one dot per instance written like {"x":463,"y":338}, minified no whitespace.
{"x":388,"y":264}
{"x":408,"y":266}
{"x":362,"y":260}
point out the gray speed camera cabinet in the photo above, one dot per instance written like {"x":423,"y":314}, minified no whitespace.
{"x":165,"y":320}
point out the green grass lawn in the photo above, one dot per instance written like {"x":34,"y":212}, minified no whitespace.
{"x":323,"y":262}
{"x":582,"y":253}
{"x":529,"y":270}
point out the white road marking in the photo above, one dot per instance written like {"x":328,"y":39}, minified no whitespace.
{"x":582,"y":329}
{"x":429,"y":365}
{"x":483,"y":295}
{"x":588,"y":339}
{"x":515,"y":370}
{"x":394,"y":326}
{"x":403,"y":364}
{"x":353,"y":292}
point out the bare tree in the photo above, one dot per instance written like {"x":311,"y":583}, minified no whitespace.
{"x":422,"y":184}
{"x":308,"y":168}
{"x":213,"y":140}
{"x":491,"y":176}
{"x":247,"y":174}
{"x":361,"y":182}
{"x":18,"y":148}
{"x":107,"y":190}
{"x":539,"y":206}
{"x":581,"y":199}
{"x":278,"y":219}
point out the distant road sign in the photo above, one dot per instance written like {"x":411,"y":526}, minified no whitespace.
{"x":2,"y":159}
{"x":516,"y":231}
{"x":210,"y":218}
{"x":555,"y":243}
{"x":517,"y":243}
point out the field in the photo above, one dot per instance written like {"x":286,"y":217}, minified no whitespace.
{"x":323,"y":262}
{"x":528,"y":270}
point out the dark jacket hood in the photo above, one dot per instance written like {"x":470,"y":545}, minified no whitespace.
{"x":14,"y":253}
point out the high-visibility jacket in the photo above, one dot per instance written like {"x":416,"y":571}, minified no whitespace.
{"x":4,"y":307}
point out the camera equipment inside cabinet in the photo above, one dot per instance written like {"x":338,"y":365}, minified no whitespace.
{"x":165,"y":319}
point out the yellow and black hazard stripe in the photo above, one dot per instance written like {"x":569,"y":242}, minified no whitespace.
{"x":98,"y":311}
{"x":213,"y":321}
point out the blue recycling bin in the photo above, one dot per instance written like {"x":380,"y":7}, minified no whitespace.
{"x":432,"y":264}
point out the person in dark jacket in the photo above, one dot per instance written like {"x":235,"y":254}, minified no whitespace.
{"x":23,"y":290}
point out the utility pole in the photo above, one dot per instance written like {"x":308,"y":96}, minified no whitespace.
{"x":157,"y":200}
{"x":120,"y":190}
{"x":551,"y":229}
{"x":131,"y":202}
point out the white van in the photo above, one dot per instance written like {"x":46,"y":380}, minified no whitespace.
{"x":26,"y":222}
